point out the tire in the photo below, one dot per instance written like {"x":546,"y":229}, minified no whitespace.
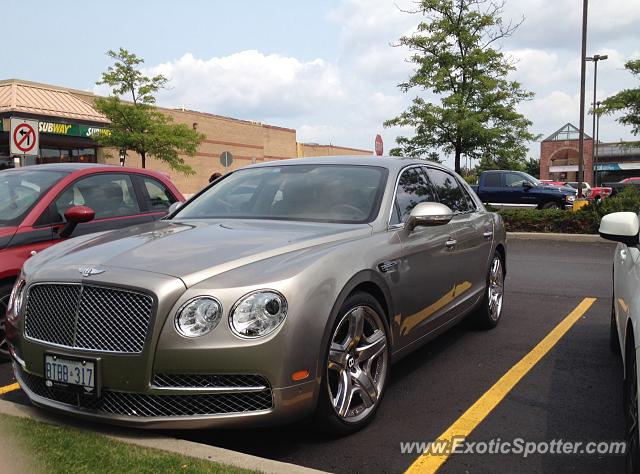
{"x":550,"y":205}
{"x":348,"y":367}
{"x":488,"y":314}
{"x":631,"y":413}
{"x":5,"y":292}
{"x":614,"y":342}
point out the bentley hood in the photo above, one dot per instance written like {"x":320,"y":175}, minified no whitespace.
{"x":195,"y":250}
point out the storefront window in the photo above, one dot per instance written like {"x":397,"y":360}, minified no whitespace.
{"x":74,"y":155}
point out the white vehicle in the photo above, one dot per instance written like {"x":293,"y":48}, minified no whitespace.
{"x":623,"y":227}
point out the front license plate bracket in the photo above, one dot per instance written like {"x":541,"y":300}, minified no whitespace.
{"x":72,"y":374}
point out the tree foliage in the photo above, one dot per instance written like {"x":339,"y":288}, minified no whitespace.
{"x":137,"y":125}
{"x":468,"y":104}
{"x":627,"y":101}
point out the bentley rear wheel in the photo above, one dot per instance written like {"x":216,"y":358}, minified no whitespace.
{"x":356,"y":366}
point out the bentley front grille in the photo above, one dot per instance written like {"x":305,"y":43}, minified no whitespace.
{"x":81,"y":316}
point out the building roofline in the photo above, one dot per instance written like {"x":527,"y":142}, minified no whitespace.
{"x":337,"y":146}
{"x":42,"y":85}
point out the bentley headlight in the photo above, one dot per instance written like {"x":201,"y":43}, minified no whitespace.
{"x":258,"y":314}
{"x":198,"y":316}
{"x":570,"y":197}
{"x":16,"y":298}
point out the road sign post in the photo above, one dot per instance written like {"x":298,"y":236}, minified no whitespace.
{"x":226,"y":158}
{"x":379,"y":145}
{"x":24,"y":137}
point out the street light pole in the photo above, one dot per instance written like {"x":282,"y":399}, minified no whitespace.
{"x":583,"y":64}
{"x":595,"y":58}
{"x":597,"y":112}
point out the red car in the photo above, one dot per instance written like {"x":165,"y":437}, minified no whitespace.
{"x":595,"y":194}
{"x":41,"y":205}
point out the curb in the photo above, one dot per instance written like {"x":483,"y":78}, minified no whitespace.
{"x":151,"y":440}
{"x":591,"y":238}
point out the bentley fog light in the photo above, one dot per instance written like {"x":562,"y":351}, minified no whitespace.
{"x":198,"y":316}
{"x":258,"y":314}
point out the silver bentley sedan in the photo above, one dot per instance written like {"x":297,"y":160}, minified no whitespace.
{"x":283,"y":290}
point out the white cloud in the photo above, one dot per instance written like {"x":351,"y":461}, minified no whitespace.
{"x":250,"y":84}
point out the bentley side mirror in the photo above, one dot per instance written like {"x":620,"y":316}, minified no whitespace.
{"x":527,"y":185}
{"x":428,"y":214}
{"x":76,"y":215}
{"x":620,"y":227}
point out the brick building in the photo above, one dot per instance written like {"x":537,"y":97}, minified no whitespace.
{"x":67,"y":121}
{"x":613,"y":161}
{"x":559,"y":155}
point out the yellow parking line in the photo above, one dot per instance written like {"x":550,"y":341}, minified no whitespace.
{"x":9,"y":388}
{"x":463,"y":426}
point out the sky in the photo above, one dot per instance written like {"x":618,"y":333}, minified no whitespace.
{"x":327,"y":68}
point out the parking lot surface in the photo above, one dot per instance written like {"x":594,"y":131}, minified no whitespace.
{"x":573,"y":393}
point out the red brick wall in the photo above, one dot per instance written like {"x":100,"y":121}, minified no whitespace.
{"x":552,"y":149}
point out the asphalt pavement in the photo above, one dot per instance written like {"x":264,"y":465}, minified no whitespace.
{"x":574,"y":393}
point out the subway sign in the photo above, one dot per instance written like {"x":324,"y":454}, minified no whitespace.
{"x":71,"y":129}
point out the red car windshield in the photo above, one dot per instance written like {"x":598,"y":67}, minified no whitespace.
{"x":20,"y":190}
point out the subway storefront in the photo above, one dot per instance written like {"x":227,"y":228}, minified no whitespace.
{"x":61,"y":141}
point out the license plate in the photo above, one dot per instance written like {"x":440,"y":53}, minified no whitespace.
{"x":76,"y":375}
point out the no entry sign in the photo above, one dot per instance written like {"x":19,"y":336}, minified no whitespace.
{"x":24,"y":137}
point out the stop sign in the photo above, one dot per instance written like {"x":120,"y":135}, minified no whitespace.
{"x":379,"y":147}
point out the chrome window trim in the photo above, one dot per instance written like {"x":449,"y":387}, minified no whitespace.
{"x":395,"y":192}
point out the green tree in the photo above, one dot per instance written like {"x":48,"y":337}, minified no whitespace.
{"x":474,"y":110}
{"x":532,"y":167}
{"x":137,"y":125}
{"x":627,"y":101}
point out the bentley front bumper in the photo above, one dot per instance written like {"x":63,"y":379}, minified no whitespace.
{"x":247,"y":403}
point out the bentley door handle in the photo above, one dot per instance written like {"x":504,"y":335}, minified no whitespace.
{"x":488,"y":234}
{"x":451,"y":243}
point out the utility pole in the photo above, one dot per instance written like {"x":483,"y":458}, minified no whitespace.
{"x":595,"y":58}
{"x":583,"y":64}
{"x":597,"y":111}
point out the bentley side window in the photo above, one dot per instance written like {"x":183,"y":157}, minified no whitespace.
{"x":449,"y":191}
{"x":413,"y":188}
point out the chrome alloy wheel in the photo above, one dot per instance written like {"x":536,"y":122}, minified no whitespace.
{"x":495,"y":288}
{"x":357,"y":364}
{"x":4,"y":305}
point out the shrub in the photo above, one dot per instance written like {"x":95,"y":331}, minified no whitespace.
{"x":585,"y":221}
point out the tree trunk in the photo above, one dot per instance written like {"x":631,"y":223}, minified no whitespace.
{"x":143,"y":159}
{"x":457,"y":160}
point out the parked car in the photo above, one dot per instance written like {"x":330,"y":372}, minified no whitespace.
{"x":291,"y":300}
{"x":624,"y":334}
{"x":625,"y":183}
{"x":506,"y":189}
{"x":44,"y":204}
{"x":593,"y":194}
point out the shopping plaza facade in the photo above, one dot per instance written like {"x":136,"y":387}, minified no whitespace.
{"x":609,"y":161}
{"x":67,"y":121}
